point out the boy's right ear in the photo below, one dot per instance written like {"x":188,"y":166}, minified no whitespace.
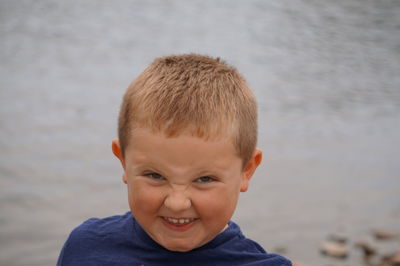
{"x":116,"y":148}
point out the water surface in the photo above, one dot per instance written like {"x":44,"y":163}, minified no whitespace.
{"x":326,"y":75}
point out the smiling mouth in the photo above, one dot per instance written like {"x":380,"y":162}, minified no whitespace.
{"x":179,"y":224}
{"x":179,"y":221}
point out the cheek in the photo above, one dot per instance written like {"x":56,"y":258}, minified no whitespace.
{"x":144,"y":198}
{"x":216,"y":203}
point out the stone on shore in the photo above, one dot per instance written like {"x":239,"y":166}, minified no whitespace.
{"x":297,"y":263}
{"x":391,"y":260}
{"x":385,"y":235}
{"x":334,"y":249}
{"x":338,"y":238}
{"x":367,"y":248}
{"x":280,"y":250}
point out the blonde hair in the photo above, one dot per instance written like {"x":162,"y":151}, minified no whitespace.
{"x":191,"y":92}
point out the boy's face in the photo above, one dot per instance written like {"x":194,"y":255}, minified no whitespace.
{"x":183,"y":190}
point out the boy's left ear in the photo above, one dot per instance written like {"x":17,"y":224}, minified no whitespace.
{"x":250,"y":168}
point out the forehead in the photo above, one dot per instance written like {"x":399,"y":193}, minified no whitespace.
{"x":208,"y":130}
{"x":182,"y":150}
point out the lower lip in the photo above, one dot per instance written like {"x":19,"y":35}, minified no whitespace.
{"x":179,"y":228}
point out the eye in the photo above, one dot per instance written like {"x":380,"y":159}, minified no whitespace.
{"x":205,"y":179}
{"x":154,"y":176}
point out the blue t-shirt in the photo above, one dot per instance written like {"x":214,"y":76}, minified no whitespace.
{"x":120,"y":240}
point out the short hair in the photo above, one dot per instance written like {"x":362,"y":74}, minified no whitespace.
{"x":201,"y":94}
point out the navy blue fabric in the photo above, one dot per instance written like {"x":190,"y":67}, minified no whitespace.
{"x":120,"y":240}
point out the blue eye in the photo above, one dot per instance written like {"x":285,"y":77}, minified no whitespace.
{"x":205,"y":179}
{"x":154,"y":176}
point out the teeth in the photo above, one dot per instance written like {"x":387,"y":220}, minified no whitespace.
{"x":179,"y":221}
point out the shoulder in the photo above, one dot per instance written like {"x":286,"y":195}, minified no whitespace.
{"x":100,"y":227}
{"x":244,"y":251}
{"x":94,"y":237}
{"x":250,"y":253}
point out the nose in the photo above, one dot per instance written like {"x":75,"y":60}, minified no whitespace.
{"x":177,"y":200}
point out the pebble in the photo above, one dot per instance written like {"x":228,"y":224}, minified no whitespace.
{"x":385,"y":235}
{"x":335,"y":246}
{"x":280,"y":250}
{"x":394,"y":259}
{"x":338,"y":238}
{"x":391,"y":260}
{"x":297,"y":263}
{"x":367,"y":248}
{"x":334,"y":249}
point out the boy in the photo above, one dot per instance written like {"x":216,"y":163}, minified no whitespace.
{"x":187,"y":144}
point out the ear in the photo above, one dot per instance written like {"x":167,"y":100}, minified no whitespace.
{"x":250,"y":168}
{"x":116,"y":148}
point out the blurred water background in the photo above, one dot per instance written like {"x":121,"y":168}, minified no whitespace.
{"x":326,"y":74}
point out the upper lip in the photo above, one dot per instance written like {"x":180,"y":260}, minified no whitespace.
{"x":179,"y":218}
{"x":171,"y":217}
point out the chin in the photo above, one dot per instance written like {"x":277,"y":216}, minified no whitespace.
{"x":179,"y":248}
